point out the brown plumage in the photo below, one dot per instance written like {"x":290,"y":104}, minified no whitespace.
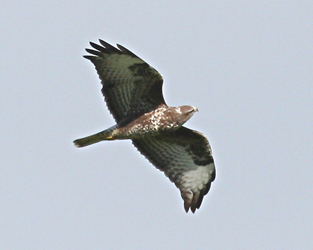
{"x":133,"y":93}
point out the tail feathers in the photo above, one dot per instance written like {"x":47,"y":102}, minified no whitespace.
{"x":83,"y":142}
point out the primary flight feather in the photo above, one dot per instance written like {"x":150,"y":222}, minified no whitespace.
{"x":133,"y":93}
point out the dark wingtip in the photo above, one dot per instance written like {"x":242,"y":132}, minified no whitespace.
{"x":186,"y":207}
{"x":97,"y":47}
{"x":126,"y":51}
{"x":109,"y":48}
{"x":193,"y":209}
{"x":89,"y":57}
{"x":105,"y":44}
{"x":93,"y":52}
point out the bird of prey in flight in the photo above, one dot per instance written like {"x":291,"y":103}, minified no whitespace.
{"x":132,"y":90}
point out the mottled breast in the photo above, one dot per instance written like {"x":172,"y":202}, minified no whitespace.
{"x":153,"y":123}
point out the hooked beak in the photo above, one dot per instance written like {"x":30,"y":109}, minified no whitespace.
{"x":195,"y":109}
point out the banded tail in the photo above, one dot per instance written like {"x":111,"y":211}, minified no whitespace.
{"x":101,"y":136}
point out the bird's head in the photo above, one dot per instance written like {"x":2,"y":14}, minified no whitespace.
{"x":184,"y":113}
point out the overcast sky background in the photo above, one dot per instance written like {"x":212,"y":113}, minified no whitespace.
{"x":246,"y":65}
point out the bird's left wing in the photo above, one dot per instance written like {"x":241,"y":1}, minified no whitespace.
{"x":186,"y":159}
{"x":131,"y":87}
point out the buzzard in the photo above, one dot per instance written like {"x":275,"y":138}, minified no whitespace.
{"x":133,"y":93}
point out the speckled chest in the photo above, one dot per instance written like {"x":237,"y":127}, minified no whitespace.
{"x":152,"y":123}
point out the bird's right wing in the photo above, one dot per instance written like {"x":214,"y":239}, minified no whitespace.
{"x":186,"y":159}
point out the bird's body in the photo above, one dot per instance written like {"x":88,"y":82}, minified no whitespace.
{"x":146,"y":124}
{"x":133,"y":92}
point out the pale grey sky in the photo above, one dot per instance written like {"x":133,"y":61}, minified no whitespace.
{"x":247,"y":66}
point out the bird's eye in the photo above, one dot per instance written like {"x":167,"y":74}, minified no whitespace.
{"x":190,"y":111}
